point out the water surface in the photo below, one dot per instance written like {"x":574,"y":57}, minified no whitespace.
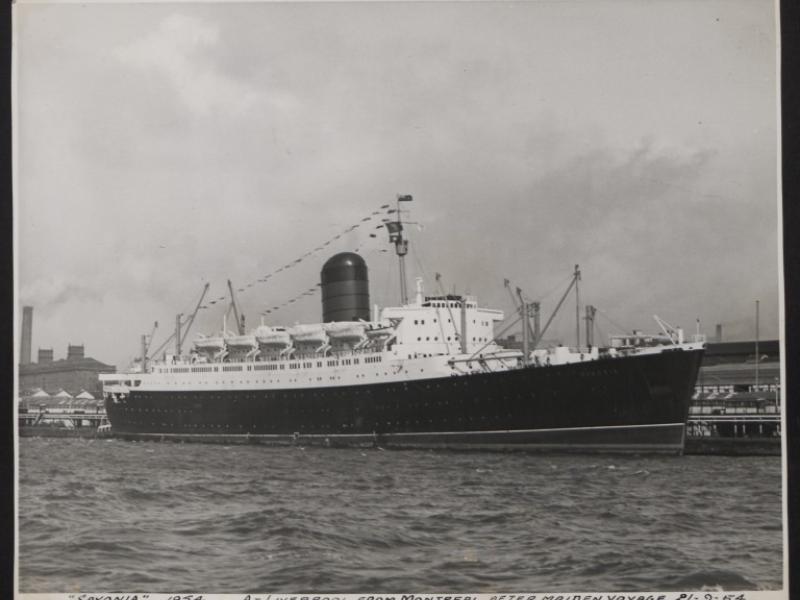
{"x":148,"y":516}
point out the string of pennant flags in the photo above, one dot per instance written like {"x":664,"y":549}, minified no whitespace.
{"x":308,"y":292}
{"x":385,"y":221}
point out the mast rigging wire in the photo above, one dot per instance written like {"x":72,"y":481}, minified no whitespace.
{"x":610,"y":320}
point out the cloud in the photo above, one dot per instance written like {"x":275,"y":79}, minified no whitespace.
{"x":184,"y":144}
{"x":646,"y":224}
{"x":178,"y":51}
{"x":49,"y":294}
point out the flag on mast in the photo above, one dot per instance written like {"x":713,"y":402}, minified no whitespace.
{"x":395,"y":228}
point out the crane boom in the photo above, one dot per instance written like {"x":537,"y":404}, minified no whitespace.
{"x":507,"y":285}
{"x":150,"y":339}
{"x":573,"y":282}
{"x":239,"y":327}
{"x":194,"y":314}
{"x":172,"y":337}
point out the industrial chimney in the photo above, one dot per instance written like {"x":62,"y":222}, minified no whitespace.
{"x":74,"y":352}
{"x":27,"y":334}
{"x":719,"y":332}
{"x":45,"y":355}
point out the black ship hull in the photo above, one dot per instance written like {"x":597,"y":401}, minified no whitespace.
{"x":630,"y":404}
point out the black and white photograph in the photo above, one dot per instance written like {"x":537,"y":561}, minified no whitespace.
{"x":398,"y":298}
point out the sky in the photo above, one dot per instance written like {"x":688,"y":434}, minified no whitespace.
{"x":162,"y":146}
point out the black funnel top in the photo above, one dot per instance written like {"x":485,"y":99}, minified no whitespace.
{"x":345,"y":288}
{"x":344,"y":266}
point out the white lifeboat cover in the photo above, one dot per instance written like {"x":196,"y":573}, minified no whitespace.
{"x":347,"y":330}
{"x":273,"y":336}
{"x":203,"y":342}
{"x":241,"y":341}
{"x":309,"y":333}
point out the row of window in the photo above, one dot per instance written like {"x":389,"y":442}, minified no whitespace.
{"x":436,"y":339}
{"x":474,"y":322}
{"x":271,"y":366}
{"x":179,"y":382}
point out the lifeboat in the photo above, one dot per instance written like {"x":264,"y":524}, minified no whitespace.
{"x":210,"y":347}
{"x":208,"y":344}
{"x":241,"y":343}
{"x":346,"y":332}
{"x":309,"y":334}
{"x":241,"y":346}
{"x":273,"y":337}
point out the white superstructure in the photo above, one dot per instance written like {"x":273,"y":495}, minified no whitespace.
{"x":416,"y":342}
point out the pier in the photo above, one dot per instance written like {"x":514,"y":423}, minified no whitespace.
{"x":44,"y":421}
{"x":736,"y":407}
{"x":69,"y":419}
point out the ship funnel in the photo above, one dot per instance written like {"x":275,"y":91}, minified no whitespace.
{"x":345,"y":288}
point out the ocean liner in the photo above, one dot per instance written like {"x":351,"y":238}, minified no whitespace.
{"x":427,"y":373}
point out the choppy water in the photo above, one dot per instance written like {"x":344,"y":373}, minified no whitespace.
{"x":125,"y":516}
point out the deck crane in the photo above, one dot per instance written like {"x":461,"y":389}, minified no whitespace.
{"x":146,"y":341}
{"x":675,"y":334}
{"x":507,"y":285}
{"x":188,"y":322}
{"x":149,"y":342}
{"x":150,"y":339}
{"x":533,"y":332}
{"x":574,"y":282}
{"x":239,"y":320}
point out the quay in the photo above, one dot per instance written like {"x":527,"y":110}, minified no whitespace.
{"x":63,"y":423}
{"x":736,"y":408}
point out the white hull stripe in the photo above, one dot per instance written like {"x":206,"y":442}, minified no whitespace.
{"x":371,"y":436}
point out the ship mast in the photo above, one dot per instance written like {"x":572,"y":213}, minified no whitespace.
{"x":577,"y":276}
{"x":758,"y":358}
{"x":527,"y":321}
{"x":529,"y":334}
{"x":400,"y":245}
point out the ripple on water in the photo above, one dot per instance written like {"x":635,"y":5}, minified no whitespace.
{"x":117,"y":515}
